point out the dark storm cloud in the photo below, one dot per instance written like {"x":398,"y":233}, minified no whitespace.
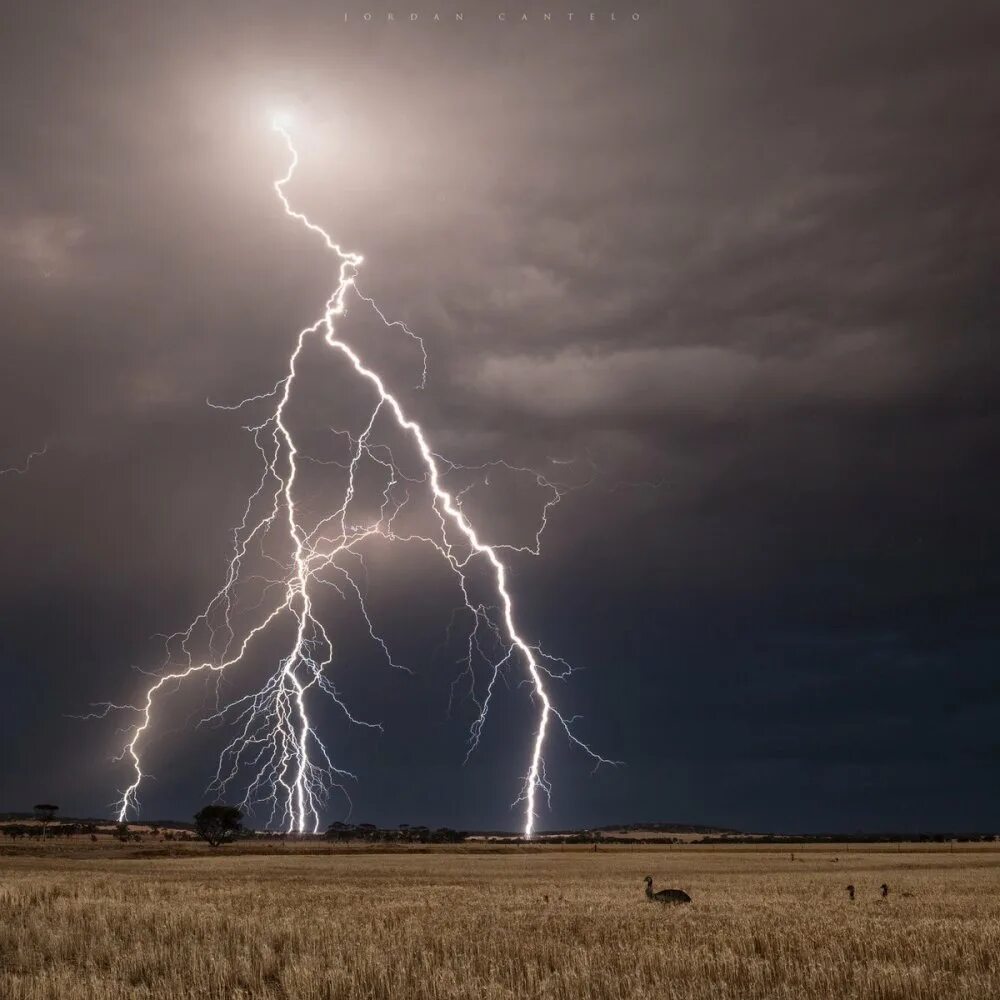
{"x":745,"y":253}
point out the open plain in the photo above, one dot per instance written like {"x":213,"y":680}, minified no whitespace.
{"x":310,"y":922}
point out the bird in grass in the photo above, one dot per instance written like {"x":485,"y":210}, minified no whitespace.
{"x":665,"y":895}
{"x":885,"y":890}
{"x":850,"y":892}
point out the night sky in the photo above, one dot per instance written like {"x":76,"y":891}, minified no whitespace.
{"x":737,"y":262}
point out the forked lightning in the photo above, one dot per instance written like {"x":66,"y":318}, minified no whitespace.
{"x":290,"y":771}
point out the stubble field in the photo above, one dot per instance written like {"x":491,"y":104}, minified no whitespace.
{"x":538,"y":922}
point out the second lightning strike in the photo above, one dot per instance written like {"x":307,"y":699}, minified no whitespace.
{"x":275,"y":740}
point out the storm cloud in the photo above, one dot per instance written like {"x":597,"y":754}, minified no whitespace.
{"x":735,"y":263}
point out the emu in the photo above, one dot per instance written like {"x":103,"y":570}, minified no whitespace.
{"x":850,"y":892}
{"x":665,"y":895}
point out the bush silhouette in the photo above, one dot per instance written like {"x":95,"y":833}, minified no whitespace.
{"x":218,"y":824}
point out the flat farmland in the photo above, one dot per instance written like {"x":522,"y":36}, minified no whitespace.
{"x":532,"y":922}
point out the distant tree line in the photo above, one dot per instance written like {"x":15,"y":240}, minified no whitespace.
{"x":402,"y":834}
{"x":597,"y":837}
{"x":854,"y":838}
{"x":688,"y":828}
{"x":220,"y":824}
{"x":121,"y":831}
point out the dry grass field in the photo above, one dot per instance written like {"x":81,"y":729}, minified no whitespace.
{"x":537,"y":922}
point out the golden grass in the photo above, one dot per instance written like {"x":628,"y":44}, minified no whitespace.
{"x":452,"y":924}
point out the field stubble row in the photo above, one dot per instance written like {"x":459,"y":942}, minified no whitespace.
{"x":537,"y":923}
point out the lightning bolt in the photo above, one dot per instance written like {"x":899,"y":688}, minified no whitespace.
{"x":22,"y":469}
{"x":292,"y":774}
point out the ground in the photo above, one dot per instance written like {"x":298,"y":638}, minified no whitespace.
{"x":108,"y":922}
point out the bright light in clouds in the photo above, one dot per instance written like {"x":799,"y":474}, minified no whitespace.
{"x":277,"y":750}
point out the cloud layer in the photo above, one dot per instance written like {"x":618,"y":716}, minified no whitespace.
{"x":740,"y":261}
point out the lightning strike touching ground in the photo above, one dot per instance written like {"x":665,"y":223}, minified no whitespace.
{"x":289,"y":771}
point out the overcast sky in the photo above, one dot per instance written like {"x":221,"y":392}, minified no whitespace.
{"x":739,"y":258}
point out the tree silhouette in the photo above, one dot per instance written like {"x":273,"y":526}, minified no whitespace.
{"x":218,"y":824}
{"x":45,"y":812}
